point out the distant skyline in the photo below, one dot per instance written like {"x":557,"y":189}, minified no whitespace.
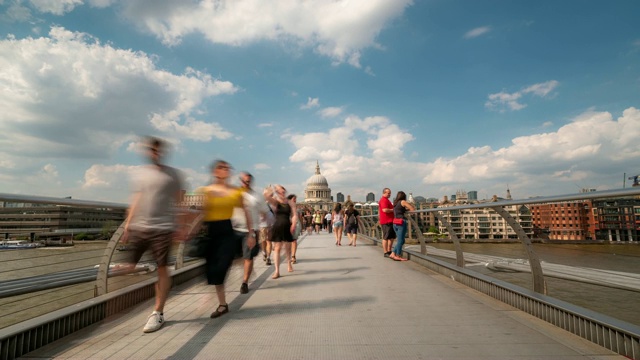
{"x":427,"y":97}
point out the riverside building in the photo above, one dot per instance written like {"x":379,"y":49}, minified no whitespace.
{"x":568,"y":221}
{"x":484,"y":224}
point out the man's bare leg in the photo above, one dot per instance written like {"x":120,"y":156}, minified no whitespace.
{"x":162,"y":288}
{"x":248,"y":269}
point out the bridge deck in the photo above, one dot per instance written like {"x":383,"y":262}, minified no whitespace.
{"x":340,"y":302}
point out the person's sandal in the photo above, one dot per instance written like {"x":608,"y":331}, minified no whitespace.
{"x":218,"y":312}
{"x":293,"y":259}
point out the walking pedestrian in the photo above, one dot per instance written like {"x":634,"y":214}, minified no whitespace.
{"x":296,"y":233}
{"x":338,"y":223}
{"x":284,"y":226}
{"x":400,"y":207}
{"x":308,"y":221}
{"x":151,"y":222}
{"x":267,"y":218}
{"x":219,"y":201}
{"x":253,"y":206}
{"x":317,"y":221}
{"x":385,"y":207}
{"x":327,"y":218}
{"x":351,"y":216}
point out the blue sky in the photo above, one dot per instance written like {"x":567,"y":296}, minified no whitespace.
{"x":429,"y":97}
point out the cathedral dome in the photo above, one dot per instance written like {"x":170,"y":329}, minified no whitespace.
{"x":317,"y":179}
{"x":317,"y":193}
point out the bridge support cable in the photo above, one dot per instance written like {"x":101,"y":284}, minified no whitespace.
{"x":539,"y":284}
{"x":454,"y":237}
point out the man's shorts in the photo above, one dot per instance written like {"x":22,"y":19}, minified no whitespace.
{"x":247,"y":253}
{"x":159,"y":242}
{"x":352,"y":229}
{"x":387,"y":232}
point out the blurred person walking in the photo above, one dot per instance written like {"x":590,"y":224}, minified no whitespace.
{"x":284,"y":226}
{"x":238,"y":220}
{"x":219,"y":202}
{"x":296,"y":233}
{"x":400,"y":225}
{"x":267,"y":218}
{"x":151,"y":223}
{"x":338,"y":223}
{"x":327,"y":218}
{"x":317,"y":221}
{"x":308,"y":221}
{"x":351,"y":225}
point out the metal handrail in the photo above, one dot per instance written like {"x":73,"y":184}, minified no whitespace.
{"x":539,"y":284}
{"x":103,"y":272}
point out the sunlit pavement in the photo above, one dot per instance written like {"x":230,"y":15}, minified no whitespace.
{"x":341,"y":302}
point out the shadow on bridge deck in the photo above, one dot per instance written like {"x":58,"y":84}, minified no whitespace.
{"x":340,"y":302}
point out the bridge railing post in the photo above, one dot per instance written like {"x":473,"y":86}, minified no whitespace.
{"x":100,"y":287}
{"x":413,"y":224}
{"x":454,"y":237}
{"x":539,"y":284}
{"x":183,"y":244}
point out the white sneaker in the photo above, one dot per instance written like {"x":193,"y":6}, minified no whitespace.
{"x":155,"y":322}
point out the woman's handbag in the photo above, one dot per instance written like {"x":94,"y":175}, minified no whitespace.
{"x":198,"y":246}
{"x":397,"y":221}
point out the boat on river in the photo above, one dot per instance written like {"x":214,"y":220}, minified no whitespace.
{"x":18,"y":245}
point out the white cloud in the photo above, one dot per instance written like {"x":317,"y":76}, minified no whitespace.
{"x":339,"y":29}
{"x":56,"y":7}
{"x":547,"y":124}
{"x":370,"y":152}
{"x":262,"y":167}
{"x":542,"y":89}
{"x":330,"y":112}
{"x":117,"y":178}
{"x":50,"y":170}
{"x":363,"y":151}
{"x":264,"y":125}
{"x":78,"y":98}
{"x":503,"y":101}
{"x":311,"y":103}
{"x":107,"y":176}
{"x":474,"y":33}
{"x":16,"y":12}
{"x":589,"y":145}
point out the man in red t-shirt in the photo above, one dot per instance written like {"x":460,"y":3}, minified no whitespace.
{"x":385,"y":207}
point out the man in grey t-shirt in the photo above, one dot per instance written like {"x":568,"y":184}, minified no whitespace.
{"x":151,"y":222}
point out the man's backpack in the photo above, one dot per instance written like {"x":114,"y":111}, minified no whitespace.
{"x":351,"y":219}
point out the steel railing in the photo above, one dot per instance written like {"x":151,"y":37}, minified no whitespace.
{"x":608,"y":332}
{"x":37,"y":290}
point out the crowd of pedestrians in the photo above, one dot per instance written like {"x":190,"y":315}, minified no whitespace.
{"x":235,"y":217}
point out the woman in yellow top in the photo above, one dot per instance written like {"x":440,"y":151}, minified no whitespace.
{"x":219,"y":201}
{"x":317,"y":221}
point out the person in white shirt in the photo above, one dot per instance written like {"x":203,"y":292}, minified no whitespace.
{"x":328,"y":218}
{"x":267,"y":218}
{"x":239,"y":222}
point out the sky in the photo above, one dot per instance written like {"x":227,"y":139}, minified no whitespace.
{"x":428,"y":96}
